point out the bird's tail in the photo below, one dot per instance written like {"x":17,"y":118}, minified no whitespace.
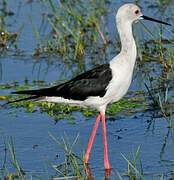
{"x":33,"y":93}
{"x":34,"y":98}
{"x":29,"y":92}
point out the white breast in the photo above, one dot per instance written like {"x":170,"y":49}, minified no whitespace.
{"x":122,"y":76}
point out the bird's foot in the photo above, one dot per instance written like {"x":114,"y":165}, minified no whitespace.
{"x":107,"y":165}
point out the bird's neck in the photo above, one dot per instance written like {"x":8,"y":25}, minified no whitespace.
{"x":128,"y":46}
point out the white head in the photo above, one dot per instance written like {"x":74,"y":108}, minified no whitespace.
{"x":131,"y":13}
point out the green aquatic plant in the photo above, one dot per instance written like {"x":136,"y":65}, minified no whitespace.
{"x":76,"y":26}
{"x":73,"y":167}
{"x":132,"y":171}
{"x":160,"y":99}
{"x":5,"y":170}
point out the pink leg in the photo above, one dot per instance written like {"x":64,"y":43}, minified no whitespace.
{"x":92,"y":139}
{"x":106,"y":160}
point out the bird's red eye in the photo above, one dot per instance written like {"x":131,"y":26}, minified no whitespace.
{"x":136,"y":11}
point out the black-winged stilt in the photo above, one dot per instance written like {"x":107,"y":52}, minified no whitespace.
{"x":103,"y":85}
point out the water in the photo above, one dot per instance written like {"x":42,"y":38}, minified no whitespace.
{"x":34,"y":148}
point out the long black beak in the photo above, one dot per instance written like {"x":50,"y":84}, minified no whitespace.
{"x":155,"y":20}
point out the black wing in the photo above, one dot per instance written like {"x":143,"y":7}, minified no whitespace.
{"x":90,"y":83}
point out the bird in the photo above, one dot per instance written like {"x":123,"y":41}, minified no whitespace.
{"x":103,"y":85}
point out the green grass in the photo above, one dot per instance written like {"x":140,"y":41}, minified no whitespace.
{"x":6,"y":173}
{"x":160,"y":100}
{"x":76,"y":26}
{"x":132,"y":170}
{"x":73,"y":166}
